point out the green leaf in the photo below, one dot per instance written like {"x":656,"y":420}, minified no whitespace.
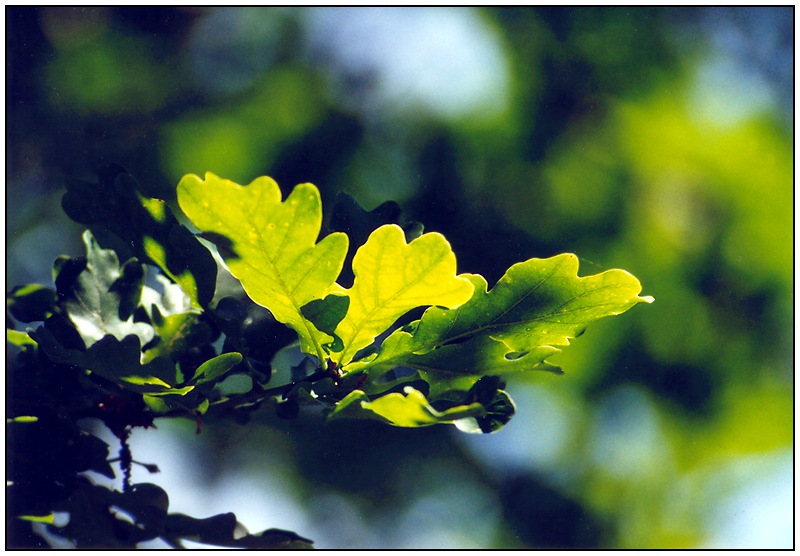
{"x":99,"y":296}
{"x":326,"y":314}
{"x":479,"y":355}
{"x":537,"y":302}
{"x":175,"y":332}
{"x":19,"y":339}
{"x":235,"y":384}
{"x":23,"y":419}
{"x":535,"y":306}
{"x":269,"y":245}
{"x":484,"y":408}
{"x":31,"y":302}
{"x":410,"y":409}
{"x":49,"y":518}
{"x":117,"y":361}
{"x":393,"y":277}
{"x":156,"y":403}
{"x":115,"y":203}
{"x":217,"y":366}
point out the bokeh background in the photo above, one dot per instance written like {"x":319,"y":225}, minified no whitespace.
{"x":655,"y":140}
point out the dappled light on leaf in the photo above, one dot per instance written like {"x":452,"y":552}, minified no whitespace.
{"x":100,"y":297}
{"x":116,"y":203}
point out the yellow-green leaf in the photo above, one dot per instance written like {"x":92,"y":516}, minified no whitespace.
{"x":269,"y":245}
{"x":537,"y":305}
{"x":393,"y":277}
{"x":49,"y":518}
{"x":19,"y":339}
{"x":23,"y":419}
{"x":410,"y":410}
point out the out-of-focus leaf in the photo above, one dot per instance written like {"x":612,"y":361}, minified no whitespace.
{"x":235,"y":384}
{"x":23,"y":419}
{"x":224,"y":530}
{"x":499,"y":407}
{"x":115,"y":203}
{"x":146,"y":502}
{"x":156,"y":403}
{"x":269,"y":245}
{"x":31,"y":302}
{"x":91,"y":524}
{"x":19,"y":339}
{"x":99,"y":296}
{"x":49,"y":518}
{"x":391,"y":278}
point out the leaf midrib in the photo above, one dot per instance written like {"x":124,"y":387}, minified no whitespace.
{"x":494,"y":324}
{"x":288,"y":293}
{"x":357,"y":327}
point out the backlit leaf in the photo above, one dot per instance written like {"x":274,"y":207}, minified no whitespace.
{"x":410,"y":409}
{"x":19,"y":339}
{"x":351,"y":218}
{"x":269,"y":245}
{"x":217,"y":366}
{"x":535,"y":306}
{"x":391,"y":278}
{"x":479,"y":355}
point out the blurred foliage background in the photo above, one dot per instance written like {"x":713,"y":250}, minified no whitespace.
{"x":655,"y":140}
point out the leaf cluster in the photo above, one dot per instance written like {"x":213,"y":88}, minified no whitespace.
{"x":406,"y":370}
{"x":366,"y":317}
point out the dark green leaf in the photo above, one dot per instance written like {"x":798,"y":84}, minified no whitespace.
{"x":224,"y":530}
{"x":115,"y":203}
{"x":498,"y":404}
{"x":358,"y":223}
{"x":146,"y":503}
{"x":117,"y":361}
{"x":31,"y":302}
{"x":326,"y":313}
